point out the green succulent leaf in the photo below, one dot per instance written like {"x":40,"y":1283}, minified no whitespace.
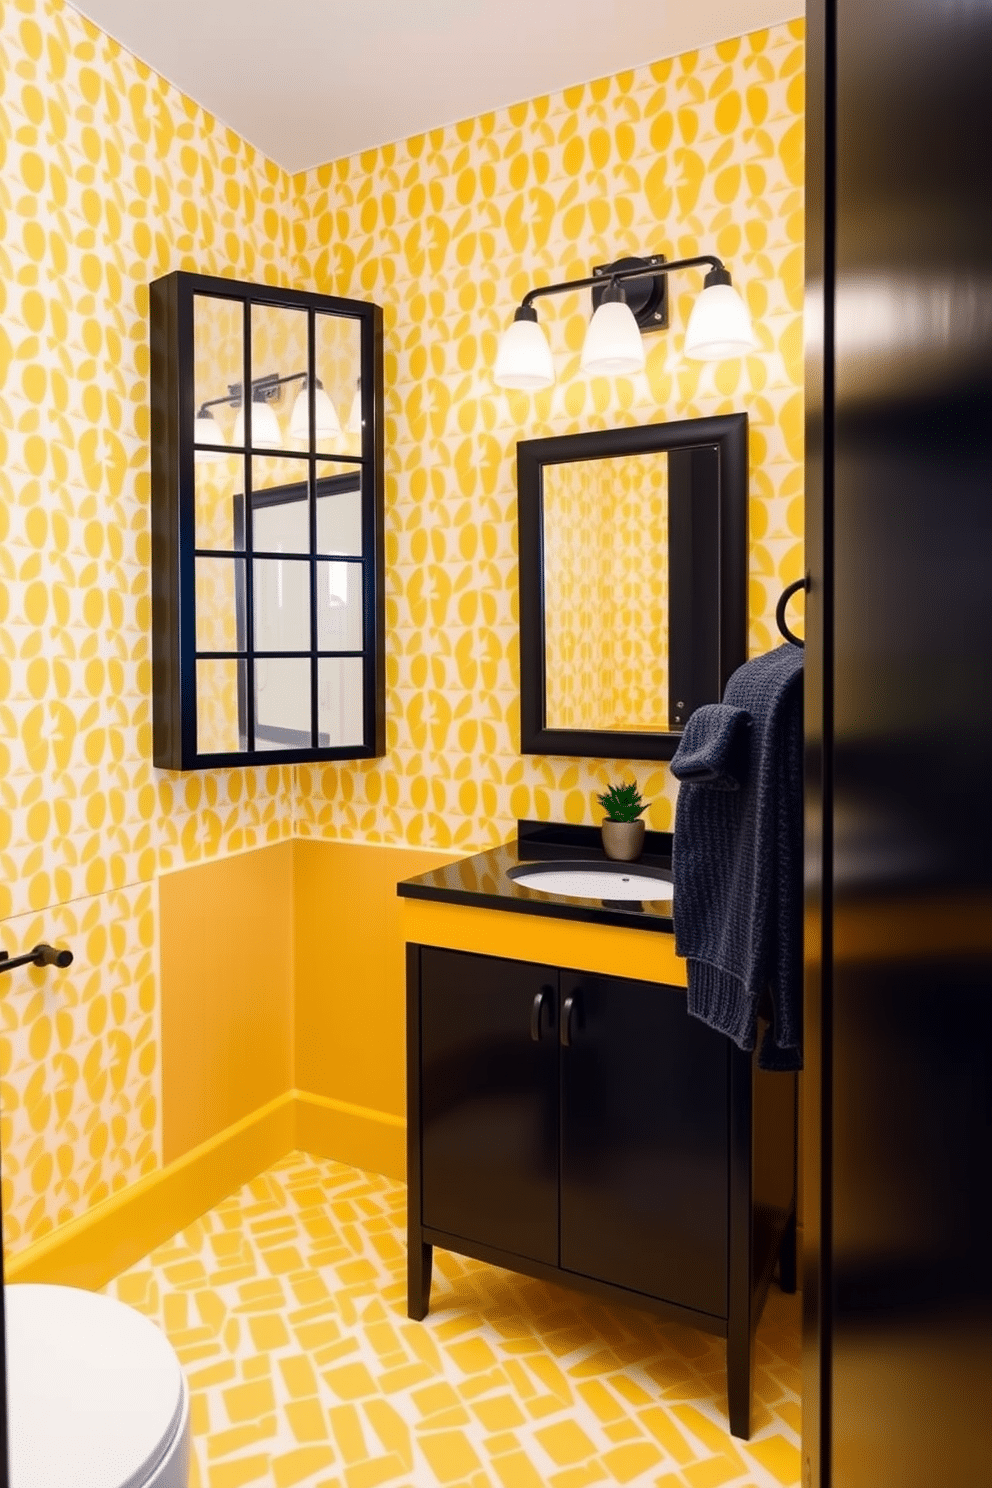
{"x":622,"y":803}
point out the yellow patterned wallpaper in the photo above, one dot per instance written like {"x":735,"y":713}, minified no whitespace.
{"x":110,"y":177}
{"x":448,"y":230}
{"x":79,"y":1061}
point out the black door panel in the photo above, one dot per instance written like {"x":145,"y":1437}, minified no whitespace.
{"x":490,"y":1101}
{"x":644,"y":1092}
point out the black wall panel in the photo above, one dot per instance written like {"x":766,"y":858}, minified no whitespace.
{"x":899,"y":1348}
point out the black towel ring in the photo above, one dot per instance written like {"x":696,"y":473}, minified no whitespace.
{"x":780,"y":609}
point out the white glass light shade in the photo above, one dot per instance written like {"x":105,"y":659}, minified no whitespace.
{"x":265,"y":430}
{"x":523,"y":360}
{"x":613,"y":342}
{"x":719,"y":326}
{"x":206,"y":430}
{"x":326,"y":416}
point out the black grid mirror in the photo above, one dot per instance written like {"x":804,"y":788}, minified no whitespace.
{"x":266,"y":524}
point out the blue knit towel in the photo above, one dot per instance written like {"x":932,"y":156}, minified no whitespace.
{"x":713,"y":747}
{"x":737,"y":871}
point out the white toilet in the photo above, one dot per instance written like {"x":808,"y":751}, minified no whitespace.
{"x":95,"y":1394}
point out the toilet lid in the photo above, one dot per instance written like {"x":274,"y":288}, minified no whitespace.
{"x":94,"y":1390}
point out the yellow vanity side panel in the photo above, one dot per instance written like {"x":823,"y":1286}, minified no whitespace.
{"x":612,"y":950}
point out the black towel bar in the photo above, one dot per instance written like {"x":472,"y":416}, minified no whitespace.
{"x":784,"y":598}
{"x":42,"y":955}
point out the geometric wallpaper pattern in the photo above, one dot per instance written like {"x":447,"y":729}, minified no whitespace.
{"x":109,"y":177}
{"x":79,"y":1052}
{"x":448,"y":231}
{"x":287,"y":1306}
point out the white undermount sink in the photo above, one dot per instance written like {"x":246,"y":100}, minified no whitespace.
{"x":609,"y":881}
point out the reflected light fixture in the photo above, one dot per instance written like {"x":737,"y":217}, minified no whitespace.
{"x":326,"y":421}
{"x":206,"y":430}
{"x":629,"y":297}
{"x":266,"y":432}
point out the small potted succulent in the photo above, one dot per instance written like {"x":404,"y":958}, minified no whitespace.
{"x":623,"y":829}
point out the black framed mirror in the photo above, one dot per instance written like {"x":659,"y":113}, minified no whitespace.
{"x":268,"y":613}
{"x":633,"y":583}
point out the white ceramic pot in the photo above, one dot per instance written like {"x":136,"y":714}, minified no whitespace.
{"x":623,"y":841}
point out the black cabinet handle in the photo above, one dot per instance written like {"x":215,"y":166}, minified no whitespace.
{"x":566,"y":1020}
{"x":536,"y":1009}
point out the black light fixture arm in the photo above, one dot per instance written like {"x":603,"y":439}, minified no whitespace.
{"x":718,"y":274}
{"x":263,"y":389}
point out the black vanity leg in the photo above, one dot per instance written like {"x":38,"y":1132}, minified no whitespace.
{"x":787,"y":1262}
{"x":420,"y":1259}
{"x":740,"y":1328}
{"x":739,"y":1383}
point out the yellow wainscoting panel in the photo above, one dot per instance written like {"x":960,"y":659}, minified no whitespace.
{"x":350,"y":1037}
{"x":97,"y":1246}
{"x":374,"y":1141}
{"x":227,"y":992}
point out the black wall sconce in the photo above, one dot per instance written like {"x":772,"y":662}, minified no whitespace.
{"x":632,"y":299}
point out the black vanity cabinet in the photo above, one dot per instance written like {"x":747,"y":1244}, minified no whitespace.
{"x":584,"y":1129}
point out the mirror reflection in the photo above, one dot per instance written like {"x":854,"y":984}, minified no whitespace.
{"x":279,"y":410}
{"x":633,"y":583}
{"x":287,"y":588}
{"x":605,"y":537}
{"x":290,"y":421}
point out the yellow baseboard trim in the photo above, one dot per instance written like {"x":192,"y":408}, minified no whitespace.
{"x":92,"y":1249}
{"x":372,"y":1140}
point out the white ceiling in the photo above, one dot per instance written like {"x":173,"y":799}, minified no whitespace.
{"x":307,"y":81}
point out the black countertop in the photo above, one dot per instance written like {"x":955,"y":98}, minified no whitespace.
{"x":482,"y":881}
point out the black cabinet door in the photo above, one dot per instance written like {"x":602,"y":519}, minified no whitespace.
{"x":489,"y":1101}
{"x":644,"y":1131}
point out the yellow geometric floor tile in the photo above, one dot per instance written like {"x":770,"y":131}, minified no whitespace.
{"x":287,"y":1307}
